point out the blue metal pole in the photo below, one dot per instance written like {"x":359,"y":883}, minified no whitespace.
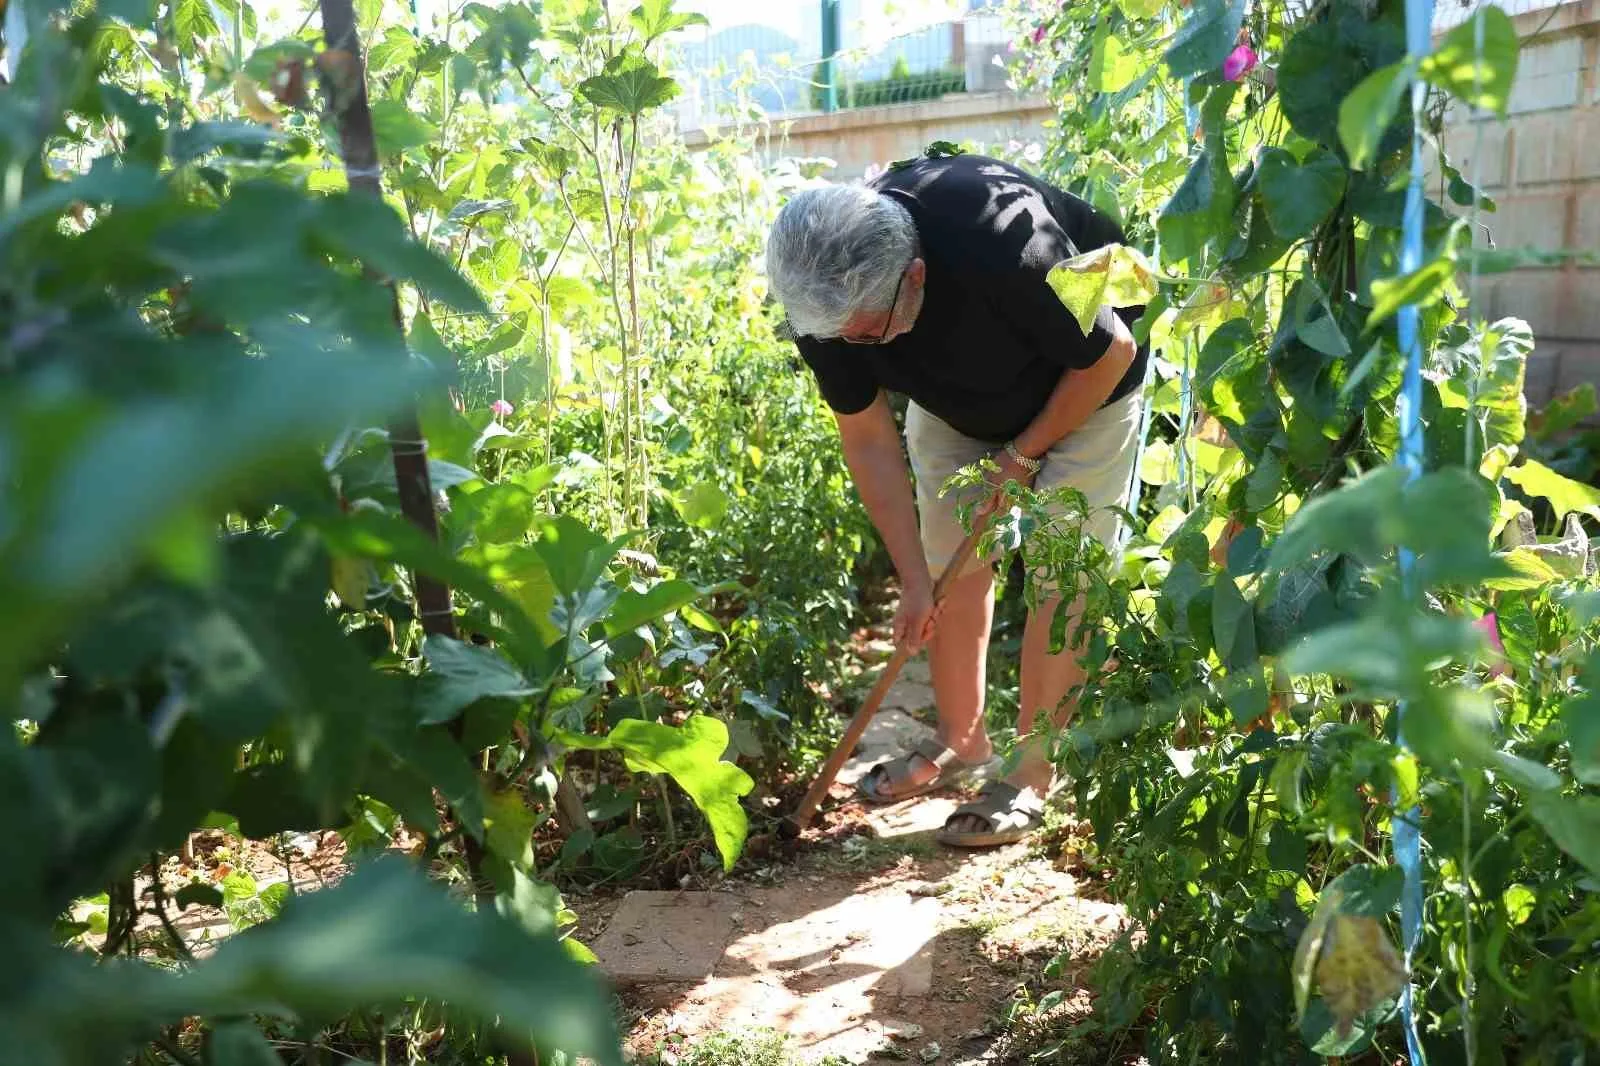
{"x":1407,"y":826}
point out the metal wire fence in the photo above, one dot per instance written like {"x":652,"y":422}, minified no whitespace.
{"x":777,"y":67}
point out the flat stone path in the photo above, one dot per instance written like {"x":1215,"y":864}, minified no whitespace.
{"x":882,"y":942}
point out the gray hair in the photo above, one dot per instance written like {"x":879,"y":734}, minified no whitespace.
{"x":836,"y":250}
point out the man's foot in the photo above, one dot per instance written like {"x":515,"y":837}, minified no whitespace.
{"x":1032,"y":779}
{"x":930,"y":766}
{"x":1002,"y":814}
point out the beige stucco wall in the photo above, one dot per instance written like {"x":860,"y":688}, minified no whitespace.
{"x":1541,"y":165}
{"x":860,"y":137}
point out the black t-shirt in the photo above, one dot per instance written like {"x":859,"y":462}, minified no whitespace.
{"x":992,"y":339}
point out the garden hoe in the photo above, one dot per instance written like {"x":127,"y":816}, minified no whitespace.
{"x":795,"y":824}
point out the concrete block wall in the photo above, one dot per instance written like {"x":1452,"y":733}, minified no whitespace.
{"x":1541,"y":165}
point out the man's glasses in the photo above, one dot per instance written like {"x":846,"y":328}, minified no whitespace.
{"x":888,"y":322}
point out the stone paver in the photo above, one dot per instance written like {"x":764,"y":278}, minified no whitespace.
{"x":667,"y":936}
{"x":824,"y":971}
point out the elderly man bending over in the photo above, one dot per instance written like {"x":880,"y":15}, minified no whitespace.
{"x":929,"y":281}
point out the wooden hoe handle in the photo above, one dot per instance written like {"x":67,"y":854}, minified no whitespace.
{"x":858,"y":725}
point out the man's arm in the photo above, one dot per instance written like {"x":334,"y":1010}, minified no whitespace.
{"x":872,"y":451}
{"x":1079,"y":394}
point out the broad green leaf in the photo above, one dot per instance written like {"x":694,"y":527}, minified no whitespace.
{"x":1140,"y":9}
{"x":656,"y":18}
{"x":1581,"y":716}
{"x":631,"y":86}
{"x":702,"y":505}
{"x":1563,"y":493}
{"x":1528,"y":572}
{"x":1480,"y":75}
{"x":1233,"y":626}
{"x":240,"y":1044}
{"x":1299,"y":196}
{"x":1376,"y":654}
{"x":634,"y":609}
{"x":461,"y":674}
{"x":1206,"y":37}
{"x":692,"y":755}
{"x":576,"y":556}
{"x":1452,"y":725}
{"x":385,"y":936}
{"x":508,"y":824}
{"x":1573,"y":822}
{"x":1112,"y":276}
{"x":1423,"y":287}
{"x":1366,"y":113}
{"x":1111,"y":66}
{"x":399,"y":128}
{"x":1565,"y":412}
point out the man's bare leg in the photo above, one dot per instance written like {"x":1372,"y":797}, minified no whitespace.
{"x":1046,"y":680}
{"x":956,"y":655}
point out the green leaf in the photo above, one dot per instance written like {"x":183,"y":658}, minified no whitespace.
{"x":656,"y":18}
{"x":1365,"y":114}
{"x":703,"y":505}
{"x":1206,"y":37}
{"x":631,"y":86}
{"x":399,"y":128}
{"x":1299,"y":196}
{"x":1581,"y":716}
{"x":1189,"y":220}
{"x":508,"y":824}
{"x":1140,"y":9}
{"x":1371,"y":653}
{"x":1422,"y":287}
{"x":576,"y":556}
{"x":1481,"y":76}
{"x":1573,"y":822}
{"x":371,"y":230}
{"x":461,"y":674}
{"x":634,"y":609}
{"x":692,"y":755}
{"x":386,"y":936}
{"x":240,"y":1044}
{"x":1563,"y":493}
{"x":1233,"y":626}
{"x":1450,"y":726}
{"x":1111,"y":276}
{"x":1111,"y":66}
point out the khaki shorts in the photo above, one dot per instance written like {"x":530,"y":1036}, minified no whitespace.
{"x":1096,"y":459}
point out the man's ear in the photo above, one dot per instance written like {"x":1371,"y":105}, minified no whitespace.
{"x":917,"y":272}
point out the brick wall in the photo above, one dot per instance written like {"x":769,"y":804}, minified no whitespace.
{"x":1541,"y":165}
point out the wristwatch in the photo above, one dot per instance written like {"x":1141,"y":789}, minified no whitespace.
{"x":1032,"y":466}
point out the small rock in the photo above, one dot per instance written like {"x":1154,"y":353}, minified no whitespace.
{"x":931,"y":1053}
{"x":927,"y":888}
{"x":902,"y":1030}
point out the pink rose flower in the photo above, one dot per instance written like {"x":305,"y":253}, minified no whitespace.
{"x":1240,"y":62}
{"x":1489,"y":626}
{"x":501,"y":408}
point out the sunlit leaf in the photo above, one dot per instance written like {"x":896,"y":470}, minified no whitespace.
{"x":1479,"y":74}
{"x":1367,"y":112}
{"x":656,"y":18}
{"x":630,"y":85}
{"x":1112,"y":276}
{"x":1563,"y":493}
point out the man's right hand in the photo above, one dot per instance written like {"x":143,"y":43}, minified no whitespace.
{"x":915,"y":618}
